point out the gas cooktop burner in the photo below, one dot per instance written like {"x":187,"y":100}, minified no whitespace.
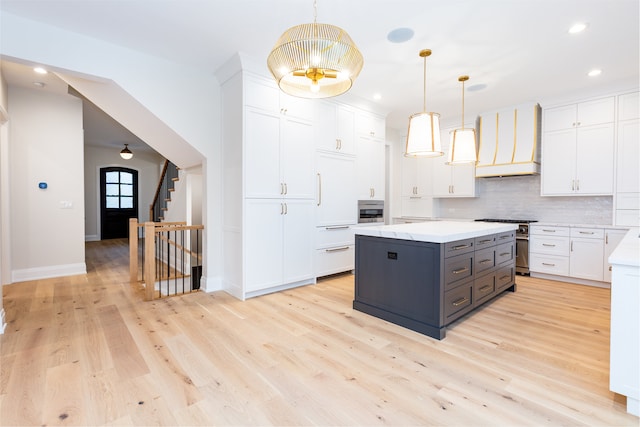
{"x":510,"y":221}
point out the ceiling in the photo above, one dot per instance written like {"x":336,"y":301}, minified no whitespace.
{"x":513,"y":50}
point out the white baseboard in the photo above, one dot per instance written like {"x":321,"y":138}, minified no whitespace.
{"x":91,"y":238}
{"x":38,"y":273}
{"x":3,"y":324}
{"x":210,"y":284}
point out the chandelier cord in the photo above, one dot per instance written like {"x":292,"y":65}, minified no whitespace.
{"x":315,"y":11}
{"x":463,"y":104}
{"x":424,"y":87}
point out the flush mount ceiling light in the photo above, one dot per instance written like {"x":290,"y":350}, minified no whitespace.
{"x":126,"y":153}
{"x":423,"y":137}
{"x":577,"y":28}
{"x":462,"y":148}
{"x":315,"y":60}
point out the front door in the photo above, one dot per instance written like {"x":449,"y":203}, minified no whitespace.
{"x":118,"y":201}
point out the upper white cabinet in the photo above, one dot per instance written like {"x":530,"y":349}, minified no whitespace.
{"x":417,"y":176}
{"x":578,"y":149}
{"x":452,"y":181}
{"x":509,"y":141}
{"x":337,"y":130}
{"x":370,"y":153}
{"x":265,"y":94}
{"x":627,"y":198}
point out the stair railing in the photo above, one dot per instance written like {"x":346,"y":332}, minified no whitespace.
{"x":168,"y":177}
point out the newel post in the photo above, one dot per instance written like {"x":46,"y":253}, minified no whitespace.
{"x":133,"y":250}
{"x":149,"y":260}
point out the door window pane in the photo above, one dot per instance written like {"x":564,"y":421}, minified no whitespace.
{"x":126,"y":202}
{"x":112,"y":177}
{"x":126,"y":178}
{"x":113,"y":189}
{"x":112,"y":202}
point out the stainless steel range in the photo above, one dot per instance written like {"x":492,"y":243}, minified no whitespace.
{"x":522,"y":242}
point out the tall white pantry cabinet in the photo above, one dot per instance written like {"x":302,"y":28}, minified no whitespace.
{"x":268,"y":187}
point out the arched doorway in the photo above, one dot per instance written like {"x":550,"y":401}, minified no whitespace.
{"x":118,"y":201}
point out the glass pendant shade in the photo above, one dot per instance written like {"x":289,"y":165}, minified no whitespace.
{"x":423,"y":135}
{"x":126,"y":153}
{"x":462,"y":144}
{"x":462,"y":147}
{"x":315,"y":61}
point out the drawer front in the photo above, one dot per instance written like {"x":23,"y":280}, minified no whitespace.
{"x":485,"y":259}
{"x":549,"y":230}
{"x":505,"y":252}
{"x":550,"y":264}
{"x":485,"y":241}
{"x":334,"y":260}
{"x":484,"y":288}
{"x":505,"y":237}
{"x":327,"y":237}
{"x":458,"y":247}
{"x":549,"y":245}
{"x":457,"y":269}
{"x":587,"y":233}
{"x":456,"y":301}
{"x":505,"y":277}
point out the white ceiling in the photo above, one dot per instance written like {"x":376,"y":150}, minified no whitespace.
{"x":513,"y":50}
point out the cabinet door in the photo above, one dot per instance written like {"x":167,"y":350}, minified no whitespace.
{"x":611,"y":239}
{"x":559,"y":118}
{"x":463,"y":180}
{"x":298,"y":240}
{"x":585,"y":260}
{"x":296,"y":158}
{"x":596,"y":112}
{"x":263,"y":244}
{"x":594,"y":160}
{"x":628,"y":169}
{"x":262,"y":154}
{"x":336,"y":189}
{"x":346,"y":130}
{"x":442,"y":177}
{"x":558,"y":163}
{"x":370,"y":168}
{"x":325,"y":127}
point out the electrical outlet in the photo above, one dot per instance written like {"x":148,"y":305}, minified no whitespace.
{"x":66,"y":204}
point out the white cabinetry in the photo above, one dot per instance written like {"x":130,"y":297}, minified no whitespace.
{"x":586,"y":253}
{"x":612,"y":237}
{"x":549,"y":250}
{"x":627,"y":200}
{"x":370,"y":149}
{"x":268,"y":187}
{"x":416,"y":186}
{"x":452,"y":181}
{"x":336,"y":196}
{"x":337,"y":130}
{"x":578,"y":149}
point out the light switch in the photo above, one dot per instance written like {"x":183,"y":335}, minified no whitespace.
{"x":66,"y":204}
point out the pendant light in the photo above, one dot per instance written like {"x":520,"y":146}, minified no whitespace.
{"x":462,"y":146}
{"x":315,"y":60}
{"x":126,"y":153}
{"x":423,"y":136}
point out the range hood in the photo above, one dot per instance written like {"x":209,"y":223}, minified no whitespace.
{"x":509,"y":141}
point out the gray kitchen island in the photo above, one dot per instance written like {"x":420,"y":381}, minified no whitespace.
{"x":424,"y":276}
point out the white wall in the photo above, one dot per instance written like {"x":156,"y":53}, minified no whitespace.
{"x":4,"y":196}
{"x":147,"y":165}
{"x":184,"y":98}
{"x":46,"y":145}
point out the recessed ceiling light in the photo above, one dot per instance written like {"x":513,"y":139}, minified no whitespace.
{"x":594,"y":72}
{"x":400,"y":35}
{"x":40,"y":70}
{"x":577,"y":28}
{"x":377,"y":96}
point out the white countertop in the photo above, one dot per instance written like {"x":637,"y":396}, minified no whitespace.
{"x":628,"y":250}
{"x":435,"y":231}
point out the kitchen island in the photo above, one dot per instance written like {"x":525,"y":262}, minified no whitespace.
{"x":424,"y":276}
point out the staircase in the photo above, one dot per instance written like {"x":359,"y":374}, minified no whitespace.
{"x":166,"y":186}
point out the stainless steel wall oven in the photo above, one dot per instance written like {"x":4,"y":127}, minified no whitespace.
{"x":370,"y":211}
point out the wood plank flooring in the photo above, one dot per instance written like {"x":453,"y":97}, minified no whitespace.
{"x":87,"y":350}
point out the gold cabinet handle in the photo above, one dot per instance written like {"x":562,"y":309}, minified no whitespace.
{"x":319,"y":189}
{"x":337,"y":227}
{"x":484,"y":261}
{"x":548,"y":264}
{"x":505,"y":277}
{"x":460,"y":301}
{"x":485,"y":288}
{"x":457,"y":248}
{"x":343,"y":248}
{"x":505,"y":253}
{"x":460,"y":270}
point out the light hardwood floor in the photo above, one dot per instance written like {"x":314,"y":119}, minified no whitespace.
{"x":87,"y":350}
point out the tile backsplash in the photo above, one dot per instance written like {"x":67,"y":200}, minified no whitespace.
{"x":518,"y":197}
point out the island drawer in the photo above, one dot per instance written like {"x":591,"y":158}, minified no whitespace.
{"x":505,"y":253}
{"x":459,"y":247}
{"x":485,"y":259}
{"x":485,"y":241}
{"x":456,"y":269}
{"x":457,"y":300}
{"x":505,"y":237}
{"x":505,"y":277}
{"x":483,"y":288}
